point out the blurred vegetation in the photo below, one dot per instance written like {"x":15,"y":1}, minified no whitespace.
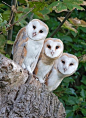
{"x":72,"y":91}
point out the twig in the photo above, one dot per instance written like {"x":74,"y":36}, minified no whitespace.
{"x":18,"y":20}
{"x":57,"y":29}
{"x":21,"y":17}
{"x":6,"y":4}
{"x":11,"y":18}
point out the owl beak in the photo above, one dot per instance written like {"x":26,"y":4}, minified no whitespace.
{"x":65,"y":69}
{"x":34,"y":34}
{"x":52,"y":52}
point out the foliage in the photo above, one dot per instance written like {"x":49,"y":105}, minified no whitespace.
{"x":72,"y":91}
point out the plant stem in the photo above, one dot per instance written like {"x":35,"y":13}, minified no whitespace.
{"x":10,"y":31}
{"x":58,"y":28}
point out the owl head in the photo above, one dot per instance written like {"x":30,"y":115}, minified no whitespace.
{"x":67,"y":64}
{"x":37,"y":30}
{"x":53,"y":47}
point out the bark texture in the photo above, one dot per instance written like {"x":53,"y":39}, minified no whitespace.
{"x":22,"y":96}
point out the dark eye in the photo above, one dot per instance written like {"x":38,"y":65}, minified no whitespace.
{"x":63,"y":62}
{"x":57,"y":47}
{"x":40,"y":31}
{"x":71,"y":64}
{"x":34,"y":27}
{"x":49,"y":46}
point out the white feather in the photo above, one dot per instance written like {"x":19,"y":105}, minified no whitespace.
{"x":65,"y":66}
{"x":33,"y":51}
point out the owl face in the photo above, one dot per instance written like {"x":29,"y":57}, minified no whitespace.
{"x":37,"y":29}
{"x":67,"y":64}
{"x":53,"y":47}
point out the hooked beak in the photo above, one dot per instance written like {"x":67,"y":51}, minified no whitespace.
{"x":52,"y":52}
{"x":65,"y":69}
{"x":34,"y":34}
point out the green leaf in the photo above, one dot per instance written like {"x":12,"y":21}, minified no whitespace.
{"x":10,"y":42}
{"x":60,"y":8}
{"x":71,"y":4}
{"x":83,"y":29}
{"x":66,"y":38}
{"x":2,"y":43}
{"x":67,"y":25}
{"x":70,"y":91}
{"x":78,"y":7}
{"x":6,"y":15}
{"x":45,"y":11}
{"x":54,"y":4}
{"x":75,"y":107}
{"x":83,"y":111}
{"x":82,"y":93}
{"x":70,"y":114}
{"x":83,"y":79}
{"x":73,"y":33}
{"x":38,"y":5}
{"x":83,"y":43}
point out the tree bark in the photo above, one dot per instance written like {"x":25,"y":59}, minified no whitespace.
{"x":22,"y":96}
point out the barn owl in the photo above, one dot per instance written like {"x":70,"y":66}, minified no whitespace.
{"x":52,"y":49}
{"x":29,"y":43}
{"x":63,"y":67}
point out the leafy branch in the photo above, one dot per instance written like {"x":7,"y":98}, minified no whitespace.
{"x":58,"y":28}
{"x":21,"y":18}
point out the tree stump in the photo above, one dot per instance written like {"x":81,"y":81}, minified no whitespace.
{"x":22,"y":96}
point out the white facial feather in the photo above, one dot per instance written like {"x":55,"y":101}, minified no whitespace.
{"x":37,"y":30}
{"x":53,"y":47}
{"x":29,"y":43}
{"x":65,"y":66}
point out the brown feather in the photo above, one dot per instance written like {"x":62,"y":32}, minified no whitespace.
{"x":19,"y":49}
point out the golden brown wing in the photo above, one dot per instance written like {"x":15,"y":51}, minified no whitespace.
{"x":19,"y":49}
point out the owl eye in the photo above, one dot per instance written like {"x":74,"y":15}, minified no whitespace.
{"x":34,"y":27}
{"x":49,"y":46}
{"x":57,"y":47}
{"x":71,"y":64}
{"x":41,"y":31}
{"x":63,"y":62}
